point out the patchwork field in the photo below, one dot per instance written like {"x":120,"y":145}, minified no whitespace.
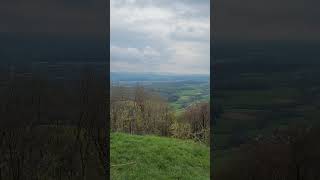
{"x":254,"y":96}
{"x":180,"y":91}
{"x":183,"y":94}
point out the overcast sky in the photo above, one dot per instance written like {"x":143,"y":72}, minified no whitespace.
{"x":266,"y":20}
{"x":67,"y":18}
{"x":53,"y":28}
{"x":161,"y":36}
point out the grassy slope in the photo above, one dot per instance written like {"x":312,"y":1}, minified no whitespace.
{"x":151,"y":157}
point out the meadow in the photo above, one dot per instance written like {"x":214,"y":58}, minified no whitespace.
{"x":153,"y":157}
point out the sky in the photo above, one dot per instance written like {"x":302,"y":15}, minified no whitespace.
{"x":169,"y":36}
{"x":266,"y":20}
{"x":160,"y":36}
{"x":50,"y":28}
{"x":67,"y":18}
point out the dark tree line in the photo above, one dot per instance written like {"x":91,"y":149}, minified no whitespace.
{"x":53,"y":129}
{"x":287,"y":154}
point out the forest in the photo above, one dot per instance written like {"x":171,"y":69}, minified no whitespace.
{"x":53,"y":128}
{"x":54,"y":125}
{"x":148,"y":133}
{"x":266,"y":111}
{"x":136,"y":110}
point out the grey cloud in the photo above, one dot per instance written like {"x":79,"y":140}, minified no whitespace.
{"x":68,"y":17}
{"x":266,"y":19}
{"x":191,"y":33}
{"x":171,"y":28}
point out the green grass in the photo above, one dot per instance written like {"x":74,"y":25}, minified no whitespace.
{"x":152,"y":157}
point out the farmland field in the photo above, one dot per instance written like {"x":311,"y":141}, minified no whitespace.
{"x":262,"y":89}
{"x":180,"y":91}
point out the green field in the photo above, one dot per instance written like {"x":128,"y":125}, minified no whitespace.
{"x":183,"y":94}
{"x":152,"y":157}
{"x":256,"y":98}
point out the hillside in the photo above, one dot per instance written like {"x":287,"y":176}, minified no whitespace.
{"x":147,"y":78}
{"x":179,"y":90}
{"x":152,"y":157}
{"x":259,"y":91}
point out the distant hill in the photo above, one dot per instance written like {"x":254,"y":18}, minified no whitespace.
{"x":21,"y":48}
{"x":152,"y":157}
{"x":180,"y":90}
{"x":153,"y":77}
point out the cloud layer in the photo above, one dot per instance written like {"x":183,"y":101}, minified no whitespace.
{"x":160,"y":36}
{"x":266,"y":20}
{"x":67,"y":18}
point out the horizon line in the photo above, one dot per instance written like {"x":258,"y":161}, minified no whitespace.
{"x":161,"y":73}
